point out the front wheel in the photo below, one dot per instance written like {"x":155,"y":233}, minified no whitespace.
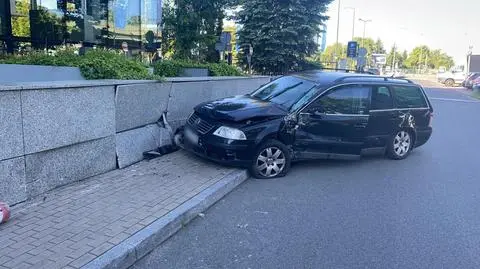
{"x":272,"y":159}
{"x":400,"y":145}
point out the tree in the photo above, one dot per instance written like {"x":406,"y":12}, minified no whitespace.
{"x":282,"y":33}
{"x":439,"y":58}
{"x":417,"y":57}
{"x":399,"y":57}
{"x":21,"y":22}
{"x":378,"y":47}
{"x":333,"y":53}
{"x":192,"y":27}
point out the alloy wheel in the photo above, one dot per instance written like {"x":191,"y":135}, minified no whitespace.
{"x":402,"y":143}
{"x":270,"y":162}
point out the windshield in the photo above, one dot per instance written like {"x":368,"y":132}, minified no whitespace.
{"x":285,"y":91}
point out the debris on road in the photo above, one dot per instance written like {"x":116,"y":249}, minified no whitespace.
{"x":4,"y":212}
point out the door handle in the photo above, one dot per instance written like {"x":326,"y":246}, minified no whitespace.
{"x":361,"y":125}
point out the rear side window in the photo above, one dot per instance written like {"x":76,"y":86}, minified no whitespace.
{"x":409,"y":97}
{"x":381,"y":98}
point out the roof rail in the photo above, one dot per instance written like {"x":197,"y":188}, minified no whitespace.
{"x":371,"y":76}
{"x":345,"y":70}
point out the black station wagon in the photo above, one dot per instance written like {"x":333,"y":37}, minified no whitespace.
{"x":311,"y":115}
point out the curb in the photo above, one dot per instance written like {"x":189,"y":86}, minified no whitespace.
{"x":144,"y":241}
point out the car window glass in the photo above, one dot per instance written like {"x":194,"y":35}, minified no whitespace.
{"x":285,"y":91}
{"x":381,"y":98}
{"x":351,"y":99}
{"x":409,"y":97}
{"x":305,"y":99}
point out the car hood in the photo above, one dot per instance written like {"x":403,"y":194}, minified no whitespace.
{"x":239,"y":108}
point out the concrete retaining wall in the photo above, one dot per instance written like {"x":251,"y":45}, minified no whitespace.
{"x":55,"y":133}
{"x":12,"y":73}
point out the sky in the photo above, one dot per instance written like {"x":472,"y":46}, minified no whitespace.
{"x":451,"y":26}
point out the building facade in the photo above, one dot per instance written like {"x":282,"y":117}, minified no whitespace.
{"x":40,"y":24}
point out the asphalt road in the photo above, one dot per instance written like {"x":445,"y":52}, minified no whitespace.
{"x":422,"y":212}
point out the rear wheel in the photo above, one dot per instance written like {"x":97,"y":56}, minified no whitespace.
{"x":272,"y":159}
{"x":400,"y":145}
{"x":449,"y":82}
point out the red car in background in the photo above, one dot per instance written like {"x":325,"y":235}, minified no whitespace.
{"x":472,"y":79}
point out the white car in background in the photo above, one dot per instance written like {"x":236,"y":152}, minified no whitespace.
{"x":451,"y":78}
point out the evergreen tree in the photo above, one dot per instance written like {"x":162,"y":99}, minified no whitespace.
{"x":281,"y":32}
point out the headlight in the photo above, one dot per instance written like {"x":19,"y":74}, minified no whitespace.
{"x":230,"y":133}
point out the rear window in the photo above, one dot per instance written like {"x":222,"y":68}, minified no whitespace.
{"x":409,"y":97}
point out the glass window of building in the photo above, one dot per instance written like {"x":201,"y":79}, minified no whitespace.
{"x":109,"y":23}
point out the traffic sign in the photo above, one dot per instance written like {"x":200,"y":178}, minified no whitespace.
{"x":352,"y":49}
{"x":379,"y":58}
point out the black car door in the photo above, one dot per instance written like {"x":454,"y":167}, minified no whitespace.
{"x":334,"y":125}
{"x":383,"y":117}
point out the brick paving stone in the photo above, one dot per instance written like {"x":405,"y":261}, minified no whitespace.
{"x":84,"y":259}
{"x":76,"y":223}
{"x":102,"y":248}
{"x":119,"y":238}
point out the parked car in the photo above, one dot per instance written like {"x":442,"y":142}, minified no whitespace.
{"x":451,"y":78}
{"x":476,"y":86}
{"x":469,"y":81}
{"x":311,"y":115}
{"x":395,"y":74}
{"x":373,"y":71}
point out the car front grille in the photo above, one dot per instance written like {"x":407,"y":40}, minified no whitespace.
{"x":200,"y":125}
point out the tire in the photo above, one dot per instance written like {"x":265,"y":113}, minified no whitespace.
{"x":400,"y":145}
{"x":269,"y":155}
{"x":449,"y":82}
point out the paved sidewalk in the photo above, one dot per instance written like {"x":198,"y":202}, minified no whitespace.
{"x":71,"y":226}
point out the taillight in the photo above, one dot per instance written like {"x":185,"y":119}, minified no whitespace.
{"x":430,"y":118}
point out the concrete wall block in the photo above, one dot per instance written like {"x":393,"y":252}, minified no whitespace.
{"x":140,"y":104}
{"x":194,"y":72}
{"x":11,"y":137}
{"x":16,"y":73}
{"x":130,"y":145}
{"x":56,"y":118}
{"x":50,"y":169}
{"x":12,"y":181}
{"x":185,"y":96}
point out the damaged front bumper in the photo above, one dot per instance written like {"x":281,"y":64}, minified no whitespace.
{"x":217,"y":149}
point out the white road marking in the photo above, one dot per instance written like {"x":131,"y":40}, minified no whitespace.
{"x":454,"y":100}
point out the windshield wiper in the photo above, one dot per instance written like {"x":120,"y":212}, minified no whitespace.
{"x":283,"y":91}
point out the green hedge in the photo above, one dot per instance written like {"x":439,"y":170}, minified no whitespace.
{"x":95,"y":64}
{"x":99,"y":64}
{"x":173,"y":68}
{"x":103,"y":64}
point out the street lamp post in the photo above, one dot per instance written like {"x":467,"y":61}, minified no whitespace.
{"x":353,"y":24}
{"x":394,"y":56}
{"x":338,"y":30}
{"x":364,"y":29}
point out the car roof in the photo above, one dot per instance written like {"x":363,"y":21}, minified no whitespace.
{"x":327,"y":77}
